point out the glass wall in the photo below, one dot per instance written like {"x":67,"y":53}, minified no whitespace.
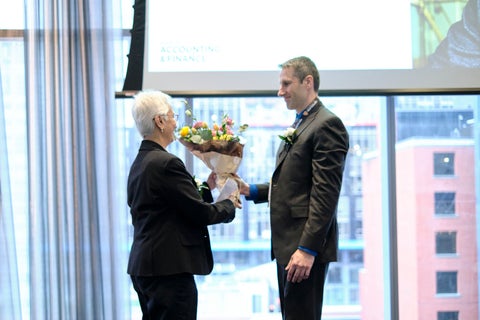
{"x":437,"y":220}
{"x":243,"y":279}
{"x":435,"y":195}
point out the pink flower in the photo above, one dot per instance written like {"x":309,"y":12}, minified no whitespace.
{"x":200,"y":124}
{"x":229,"y":122}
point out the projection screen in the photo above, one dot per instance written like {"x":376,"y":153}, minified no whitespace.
{"x":221,"y":47}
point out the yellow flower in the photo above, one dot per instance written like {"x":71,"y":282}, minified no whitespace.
{"x":225,"y":137}
{"x":184,"y":131}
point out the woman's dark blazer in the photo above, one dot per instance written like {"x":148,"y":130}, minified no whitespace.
{"x":169,"y":216}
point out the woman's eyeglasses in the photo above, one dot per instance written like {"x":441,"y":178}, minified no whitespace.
{"x":174,"y":116}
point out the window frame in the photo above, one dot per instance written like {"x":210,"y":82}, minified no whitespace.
{"x":441,"y":167}
{"x":442,"y":277}
{"x":448,"y":238}
{"x":443,"y":201}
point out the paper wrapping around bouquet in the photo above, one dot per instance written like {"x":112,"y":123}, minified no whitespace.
{"x":222,"y":157}
{"x":229,"y":148}
{"x":219,"y":163}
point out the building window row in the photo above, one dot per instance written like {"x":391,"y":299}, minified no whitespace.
{"x":445,"y":241}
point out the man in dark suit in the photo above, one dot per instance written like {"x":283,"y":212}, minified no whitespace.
{"x":304,"y":192}
{"x":170,"y":241}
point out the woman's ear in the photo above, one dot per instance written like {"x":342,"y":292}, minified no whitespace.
{"x":158,"y":120}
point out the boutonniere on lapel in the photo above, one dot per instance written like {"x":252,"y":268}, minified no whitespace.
{"x":289,"y":136}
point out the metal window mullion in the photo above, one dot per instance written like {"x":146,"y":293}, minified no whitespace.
{"x":389,"y":209}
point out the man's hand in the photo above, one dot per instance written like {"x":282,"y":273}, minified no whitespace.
{"x":299,"y":266}
{"x":243,"y":187}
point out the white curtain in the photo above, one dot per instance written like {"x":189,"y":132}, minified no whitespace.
{"x":76,"y":264}
{"x":9,"y":282}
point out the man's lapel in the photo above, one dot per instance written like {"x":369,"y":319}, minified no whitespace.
{"x":284,"y":148}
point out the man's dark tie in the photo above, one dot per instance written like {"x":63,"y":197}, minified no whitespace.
{"x":305,"y":112}
{"x":298,"y":117}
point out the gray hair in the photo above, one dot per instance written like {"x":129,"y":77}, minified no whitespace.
{"x":147,"y":105}
{"x":302,"y":67}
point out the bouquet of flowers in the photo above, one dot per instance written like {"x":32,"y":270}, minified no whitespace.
{"x":218,"y":147}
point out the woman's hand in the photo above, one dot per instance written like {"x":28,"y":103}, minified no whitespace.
{"x":235,"y":198}
{"x":212,"y":180}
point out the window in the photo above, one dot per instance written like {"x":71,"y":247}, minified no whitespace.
{"x":446,"y":282}
{"x":334,"y":275}
{"x":447,"y":315}
{"x":354,"y":295}
{"x":354,"y":275}
{"x":445,"y":203}
{"x":355,"y":256}
{"x":443,"y":164}
{"x":446,"y":242}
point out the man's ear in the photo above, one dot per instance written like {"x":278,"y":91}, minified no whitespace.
{"x":309,"y":80}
